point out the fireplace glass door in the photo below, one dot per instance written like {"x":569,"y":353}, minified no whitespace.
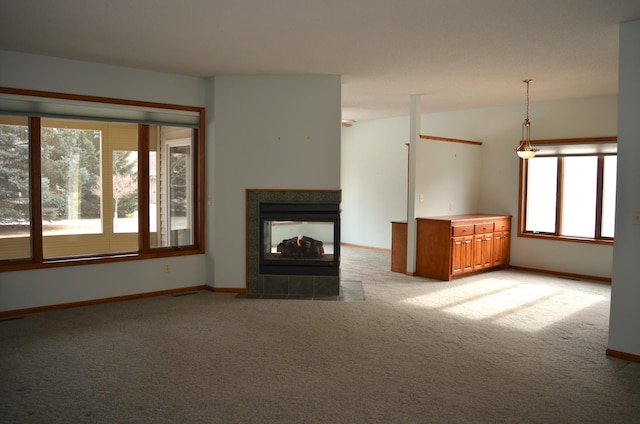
{"x":296,"y":241}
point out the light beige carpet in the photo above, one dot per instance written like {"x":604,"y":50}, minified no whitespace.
{"x":504,"y":346}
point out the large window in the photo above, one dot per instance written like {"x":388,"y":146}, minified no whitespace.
{"x":78,"y":189}
{"x":568,"y":191}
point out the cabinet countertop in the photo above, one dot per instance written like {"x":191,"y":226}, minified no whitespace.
{"x":470,"y":216}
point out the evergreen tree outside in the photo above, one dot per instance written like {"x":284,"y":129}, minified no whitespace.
{"x":14,"y":174}
{"x":70,"y":170}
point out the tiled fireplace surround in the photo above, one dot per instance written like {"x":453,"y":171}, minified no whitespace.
{"x":290,"y":285}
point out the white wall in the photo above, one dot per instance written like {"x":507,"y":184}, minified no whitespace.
{"x":210,"y":155}
{"x":374,"y":180}
{"x":375,"y":177}
{"x":447,"y":178}
{"x":270,"y":132}
{"x":381,"y":196}
{"x":624,"y":335}
{"x":27,"y":289}
{"x":32,"y":72}
{"x":54,"y":286}
{"x":588,"y":117}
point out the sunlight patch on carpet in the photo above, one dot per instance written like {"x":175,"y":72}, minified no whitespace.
{"x":526,"y":307}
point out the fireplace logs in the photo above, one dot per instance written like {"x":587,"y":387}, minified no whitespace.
{"x":301,"y":247}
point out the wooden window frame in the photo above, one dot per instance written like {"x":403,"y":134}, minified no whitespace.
{"x":37,"y":261}
{"x":522,"y":194}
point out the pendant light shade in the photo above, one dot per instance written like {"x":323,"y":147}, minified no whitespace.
{"x":525,"y":150}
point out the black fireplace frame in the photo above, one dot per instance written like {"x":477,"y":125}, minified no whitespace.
{"x":304,"y":212}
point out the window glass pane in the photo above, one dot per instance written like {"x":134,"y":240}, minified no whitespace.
{"x":71,"y":193}
{"x":153,"y":196}
{"x":180,"y":194}
{"x":15,"y":215}
{"x":609,"y":196}
{"x":72,"y":188}
{"x":157,"y":194}
{"x":171,"y":187}
{"x":541,"y":194}
{"x":579,"y":196}
{"x":125,"y":191}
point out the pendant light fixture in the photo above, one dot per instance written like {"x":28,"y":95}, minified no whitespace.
{"x":525,"y":150}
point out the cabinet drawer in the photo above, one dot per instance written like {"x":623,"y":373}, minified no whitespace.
{"x":462,"y":230}
{"x":503,"y":225}
{"x":484,"y":228}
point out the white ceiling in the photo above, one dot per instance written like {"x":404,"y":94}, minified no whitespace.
{"x":456,"y":54}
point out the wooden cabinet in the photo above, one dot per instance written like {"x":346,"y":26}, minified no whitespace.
{"x":449,"y":247}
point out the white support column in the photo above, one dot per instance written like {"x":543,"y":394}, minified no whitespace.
{"x":624,"y":336}
{"x":414,"y":135}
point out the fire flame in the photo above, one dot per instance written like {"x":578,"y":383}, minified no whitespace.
{"x":299,"y":242}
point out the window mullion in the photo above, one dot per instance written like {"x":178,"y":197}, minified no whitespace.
{"x":522,"y":205}
{"x":35,"y":143}
{"x":143,"y":188}
{"x":599,"y":197}
{"x":198,"y":187}
{"x":559,"y":194}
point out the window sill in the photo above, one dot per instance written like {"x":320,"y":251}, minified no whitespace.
{"x":26,"y":264}
{"x":608,"y":242}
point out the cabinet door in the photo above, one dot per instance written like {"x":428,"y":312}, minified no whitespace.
{"x":483,"y":251}
{"x":461,"y":254}
{"x":467,"y":257}
{"x":501,"y":248}
{"x":487,"y":258}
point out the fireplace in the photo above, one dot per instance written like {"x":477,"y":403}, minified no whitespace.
{"x":299,"y":238}
{"x":293,"y":243}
